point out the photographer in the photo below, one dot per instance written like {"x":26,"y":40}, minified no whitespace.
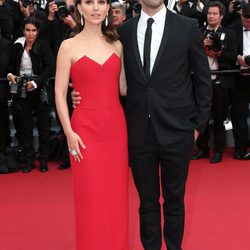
{"x":24,"y":9}
{"x":234,"y":12}
{"x":7,"y":20}
{"x":60,"y":24}
{"x":220,"y":46}
{"x":193,"y":8}
{"x":31,"y":57}
{"x":241,"y":92}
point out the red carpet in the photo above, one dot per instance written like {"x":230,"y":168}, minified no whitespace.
{"x":36,"y":209}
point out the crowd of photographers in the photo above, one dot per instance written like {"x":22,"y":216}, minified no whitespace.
{"x":226,"y":29}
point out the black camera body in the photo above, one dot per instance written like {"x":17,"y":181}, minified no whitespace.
{"x":217,"y":38}
{"x":237,"y":5}
{"x":247,"y":60}
{"x":25,"y":3}
{"x":19,"y":87}
{"x":62,"y":10}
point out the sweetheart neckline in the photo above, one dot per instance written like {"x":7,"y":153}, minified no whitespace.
{"x":101,"y":65}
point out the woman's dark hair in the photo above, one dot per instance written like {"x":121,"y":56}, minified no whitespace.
{"x":108,"y":31}
{"x":31,"y":20}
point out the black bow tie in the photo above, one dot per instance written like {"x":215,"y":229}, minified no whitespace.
{"x":246,"y":30}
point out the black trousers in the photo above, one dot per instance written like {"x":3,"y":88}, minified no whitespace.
{"x":4,"y":126}
{"x":4,"y":116}
{"x":239,"y":113}
{"x":154,"y":165}
{"x":24,"y":123}
{"x":219,"y":113}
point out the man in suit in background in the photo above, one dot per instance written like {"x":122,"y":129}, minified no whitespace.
{"x":241,"y":92}
{"x":220,"y":46}
{"x":164,"y":109}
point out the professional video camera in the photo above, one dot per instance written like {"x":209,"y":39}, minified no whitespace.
{"x":19,"y":87}
{"x":62,"y":10}
{"x":247,"y":60}
{"x":217,"y":38}
{"x":237,"y":5}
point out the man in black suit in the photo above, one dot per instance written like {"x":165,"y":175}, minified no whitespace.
{"x":164,"y":108}
{"x":241,"y":92}
{"x":220,"y":46}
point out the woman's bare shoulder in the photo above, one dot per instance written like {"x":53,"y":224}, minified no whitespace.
{"x":68,"y":43}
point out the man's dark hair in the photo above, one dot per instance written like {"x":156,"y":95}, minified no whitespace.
{"x":246,"y":10}
{"x":219,"y":5}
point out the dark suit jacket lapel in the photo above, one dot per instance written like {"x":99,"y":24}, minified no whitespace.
{"x":166,"y":32}
{"x":136,"y":48}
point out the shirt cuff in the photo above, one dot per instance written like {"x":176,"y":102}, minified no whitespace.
{"x":34,"y":85}
{"x":200,"y":6}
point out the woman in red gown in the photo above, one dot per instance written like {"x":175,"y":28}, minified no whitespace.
{"x":96,"y":134}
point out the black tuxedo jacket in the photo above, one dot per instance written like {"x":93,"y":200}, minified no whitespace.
{"x":227,"y":57}
{"x":238,"y":30}
{"x":175,"y":104}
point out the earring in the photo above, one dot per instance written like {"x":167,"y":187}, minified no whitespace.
{"x":81,"y":21}
{"x":106,"y":20}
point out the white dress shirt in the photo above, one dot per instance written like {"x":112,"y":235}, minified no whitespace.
{"x":157,"y":33}
{"x":246,"y":45}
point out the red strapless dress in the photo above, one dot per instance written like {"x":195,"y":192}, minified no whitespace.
{"x":100,"y":181}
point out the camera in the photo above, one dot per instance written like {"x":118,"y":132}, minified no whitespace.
{"x":217,"y":38}
{"x":247,"y":60}
{"x":62,"y":10}
{"x":44,"y":98}
{"x":19,"y":87}
{"x":237,"y":5}
{"x":25,"y":3}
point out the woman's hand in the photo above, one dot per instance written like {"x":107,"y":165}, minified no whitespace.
{"x":74,"y":144}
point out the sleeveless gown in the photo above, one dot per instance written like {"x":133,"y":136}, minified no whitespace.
{"x":100,"y":180}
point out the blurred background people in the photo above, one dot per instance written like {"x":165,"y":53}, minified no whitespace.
{"x":233,"y":13}
{"x":7,"y":20}
{"x":241,"y":92}
{"x":24,"y":9}
{"x":193,"y":8}
{"x":220,"y":46}
{"x":31,"y":58}
{"x":119,"y":13}
{"x":60,"y":26}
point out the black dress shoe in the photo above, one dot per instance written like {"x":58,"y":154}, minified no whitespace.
{"x":64,"y":165}
{"x":217,"y":157}
{"x":246,"y":156}
{"x":242,"y":156}
{"x":28,"y":168}
{"x":200,"y":154}
{"x":43,"y":166}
